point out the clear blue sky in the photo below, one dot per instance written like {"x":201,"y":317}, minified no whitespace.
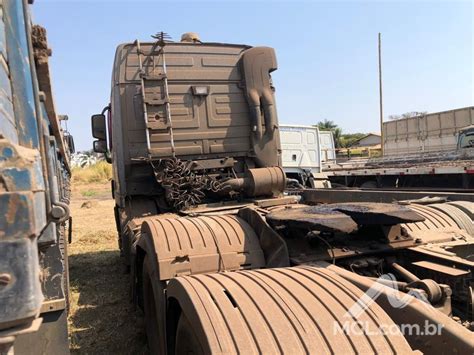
{"x":327,"y":52}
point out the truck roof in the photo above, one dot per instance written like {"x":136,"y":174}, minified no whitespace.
{"x":126,"y":57}
{"x":298,"y":126}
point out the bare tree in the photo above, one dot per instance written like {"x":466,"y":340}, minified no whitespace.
{"x":407,"y":115}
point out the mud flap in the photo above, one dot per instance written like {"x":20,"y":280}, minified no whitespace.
{"x":273,"y":246}
{"x":195,"y":245}
{"x":285,"y":310}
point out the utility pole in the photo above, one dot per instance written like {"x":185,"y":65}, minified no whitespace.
{"x":380,"y":94}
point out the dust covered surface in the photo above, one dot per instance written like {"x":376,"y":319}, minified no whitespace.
{"x":344,"y":217}
{"x":101,"y":318}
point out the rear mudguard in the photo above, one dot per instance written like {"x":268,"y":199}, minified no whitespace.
{"x":194,"y":245}
{"x":291,"y":310}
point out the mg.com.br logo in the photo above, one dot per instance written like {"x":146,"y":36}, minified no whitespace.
{"x":353,"y":324}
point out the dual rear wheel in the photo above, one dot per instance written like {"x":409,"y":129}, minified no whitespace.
{"x":155,"y":323}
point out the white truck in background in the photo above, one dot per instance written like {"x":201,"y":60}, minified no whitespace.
{"x":304,"y":149}
{"x":328,"y":148}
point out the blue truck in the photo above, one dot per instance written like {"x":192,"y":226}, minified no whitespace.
{"x":35,"y":223}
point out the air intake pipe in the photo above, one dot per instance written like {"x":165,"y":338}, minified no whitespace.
{"x":257,"y":64}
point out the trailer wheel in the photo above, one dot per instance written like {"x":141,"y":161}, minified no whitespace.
{"x":154,"y":315}
{"x":186,"y":339}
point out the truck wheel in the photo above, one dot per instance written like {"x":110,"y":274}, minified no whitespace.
{"x":63,"y":243}
{"x":154,"y":315}
{"x":186,"y":340}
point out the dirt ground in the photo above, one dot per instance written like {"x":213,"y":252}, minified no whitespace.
{"x":101,"y":318}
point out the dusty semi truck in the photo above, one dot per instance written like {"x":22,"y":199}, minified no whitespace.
{"x":34,"y":192}
{"x":222,"y":261}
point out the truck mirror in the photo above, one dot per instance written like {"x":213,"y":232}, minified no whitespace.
{"x":98,"y":127}
{"x":100,"y":146}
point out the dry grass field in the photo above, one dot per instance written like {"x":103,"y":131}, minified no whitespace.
{"x":101,"y":318}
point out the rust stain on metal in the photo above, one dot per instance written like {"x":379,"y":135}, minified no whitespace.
{"x":12,"y":209}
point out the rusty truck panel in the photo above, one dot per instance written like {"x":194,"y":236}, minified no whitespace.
{"x":201,"y":121}
{"x":34,"y":192}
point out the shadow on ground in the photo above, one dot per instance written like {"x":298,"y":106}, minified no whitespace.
{"x":103,"y":321}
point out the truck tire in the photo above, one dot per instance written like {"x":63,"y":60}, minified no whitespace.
{"x":65,"y":259}
{"x":63,"y":243}
{"x":66,"y":190}
{"x":154,"y":315}
{"x":186,"y":339}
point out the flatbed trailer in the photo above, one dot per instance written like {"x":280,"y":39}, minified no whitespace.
{"x":379,"y":195}
{"x":436,"y":170}
{"x":451,"y":166}
{"x":430,"y":176}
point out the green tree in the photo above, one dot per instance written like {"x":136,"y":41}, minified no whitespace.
{"x":328,"y":125}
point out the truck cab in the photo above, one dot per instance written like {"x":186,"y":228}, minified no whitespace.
{"x":466,"y":138}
